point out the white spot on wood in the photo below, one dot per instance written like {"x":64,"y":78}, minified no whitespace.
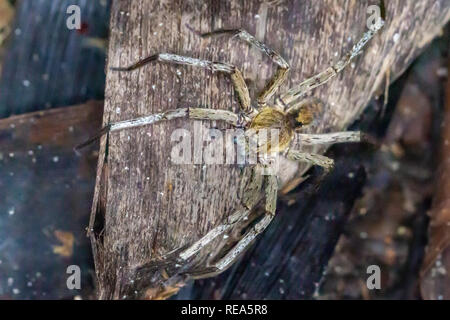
{"x":396,"y":37}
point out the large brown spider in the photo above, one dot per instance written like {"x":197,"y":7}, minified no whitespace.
{"x":288,"y":114}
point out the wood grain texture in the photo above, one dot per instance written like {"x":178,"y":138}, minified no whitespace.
{"x":145,"y":206}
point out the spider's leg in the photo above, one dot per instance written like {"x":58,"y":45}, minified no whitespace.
{"x":325,"y":138}
{"x":251,"y":196}
{"x":237,"y":79}
{"x":190,"y":113}
{"x":314,"y":159}
{"x":331,"y":138}
{"x":283,"y":67}
{"x":326,"y":163}
{"x":271,"y":191}
{"x":297,"y":92}
{"x":214,"y":233}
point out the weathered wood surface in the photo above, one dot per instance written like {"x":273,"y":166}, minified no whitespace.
{"x":149,"y":206}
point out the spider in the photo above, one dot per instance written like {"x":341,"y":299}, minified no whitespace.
{"x":288,"y":114}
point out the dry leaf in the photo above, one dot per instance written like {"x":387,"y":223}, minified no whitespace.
{"x":67,"y":240}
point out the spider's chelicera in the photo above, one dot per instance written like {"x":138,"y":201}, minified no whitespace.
{"x":287,"y":114}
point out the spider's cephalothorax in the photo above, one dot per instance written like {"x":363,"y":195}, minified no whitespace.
{"x":286,"y":122}
{"x":291,"y":113}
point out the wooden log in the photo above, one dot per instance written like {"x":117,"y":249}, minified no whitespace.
{"x":145,"y":206}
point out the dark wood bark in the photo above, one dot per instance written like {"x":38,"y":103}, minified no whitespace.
{"x":46,"y":65}
{"x":435,"y":281}
{"x":43,"y":194}
{"x":46,"y":190}
{"x":145,"y":206}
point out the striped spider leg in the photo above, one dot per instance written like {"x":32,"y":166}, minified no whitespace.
{"x":291,"y":97}
{"x":268,"y":186}
{"x":299,"y":91}
{"x":192,"y":113}
{"x":271,"y":194}
{"x":240,"y":87}
{"x":250,"y":197}
{"x":253,"y":193}
{"x":307,"y":139}
{"x":283,"y":67}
